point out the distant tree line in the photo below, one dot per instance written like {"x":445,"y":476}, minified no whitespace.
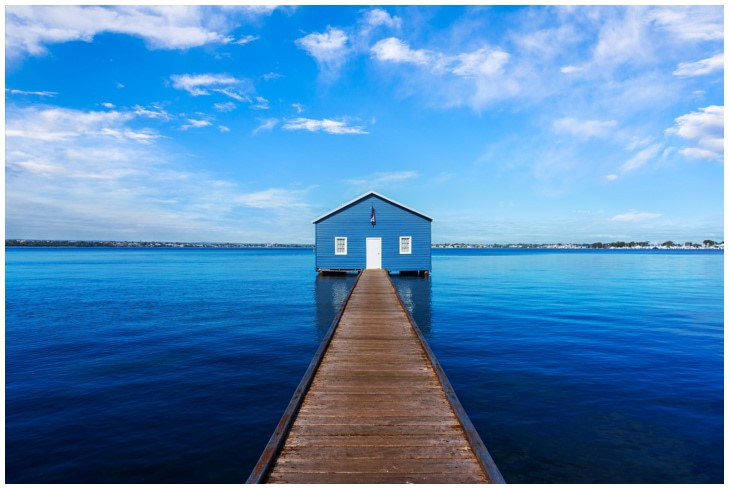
{"x":707,"y":243}
{"x":645,"y":244}
{"x":54,"y":243}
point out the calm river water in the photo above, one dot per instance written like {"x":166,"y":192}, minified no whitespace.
{"x":175,"y":365}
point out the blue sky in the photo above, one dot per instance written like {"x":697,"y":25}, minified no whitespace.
{"x":241,"y":124}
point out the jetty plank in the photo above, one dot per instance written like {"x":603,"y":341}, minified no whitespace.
{"x":377,"y":407}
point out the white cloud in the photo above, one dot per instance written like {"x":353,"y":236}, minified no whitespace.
{"x":75,"y":143}
{"x":690,"y":23}
{"x":471,"y":78}
{"x":298,"y":107}
{"x":635,"y":216}
{"x":705,"y":129}
{"x":641,"y":158}
{"x":261,"y":104}
{"x":329,"y":49}
{"x":195,"y":124}
{"x":266,"y":125}
{"x":223,"y":128}
{"x":91,"y":178}
{"x":326,"y":125}
{"x":622,"y":37}
{"x":396,"y":51}
{"x":382,"y":179}
{"x":641,"y":34}
{"x":482,"y":62}
{"x":156,"y":112}
{"x":38,"y":93}
{"x":30,"y":29}
{"x":379,"y":17}
{"x":463,"y":64}
{"x":108,"y":105}
{"x":225,"y":107}
{"x":637,"y":142}
{"x":273,"y":198}
{"x":245,"y":40}
{"x":584,"y":128}
{"x":701,"y":67}
{"x":197,"y":85}
{"x":58,"y":124}
{"x":567,"y":70}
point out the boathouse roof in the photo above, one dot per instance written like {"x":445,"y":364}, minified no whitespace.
{"x":364,"y":196}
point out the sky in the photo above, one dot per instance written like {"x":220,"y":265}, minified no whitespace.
{"x":537,"y":124}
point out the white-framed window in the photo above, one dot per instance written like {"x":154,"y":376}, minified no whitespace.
{"x":340,"y":245}
{"x":406,"y":245}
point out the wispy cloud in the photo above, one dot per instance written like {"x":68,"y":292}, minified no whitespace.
{"x":30,"y":29}
{"x":382,"y":179}
{"x":93,"y":177}
{"x":568,"y":70}
{"x":705,"y":129}
{"x":585,"y":128}
{"x":273,"y":198}
{"x":195,"y":124}
{"x":329,"y":126}
{"x":471,"y":78}
{"x":377,"y":17}
{"x":15,"y":91}
{"x":641,"y":158}
{"x":245,"y":40}
{"x":701,"y":67}
{"x":394,"y":50}
{"x":266,"y":125}
{"x":76,"y":144}
{"x":635,"y":216}
{"x":204,"y":84}
{"x":575,"y":54}
{"x":225,"y":107}
{"x":690,"y":23}
{"x":261,"y":104}
{"x":59,"y":124}
{"x":152,"y":112}
{"x":485,"y":61}
{"x":330,"y":50}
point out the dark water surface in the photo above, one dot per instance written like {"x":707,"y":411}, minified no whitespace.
{"x":175,"y":365}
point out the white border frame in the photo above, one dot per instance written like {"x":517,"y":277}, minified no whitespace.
{"x":411,"y":245}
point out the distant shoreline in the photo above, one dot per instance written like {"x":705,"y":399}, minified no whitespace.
{"x":633,"y":245}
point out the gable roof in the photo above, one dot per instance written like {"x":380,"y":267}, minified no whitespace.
{"x":361,"y":197}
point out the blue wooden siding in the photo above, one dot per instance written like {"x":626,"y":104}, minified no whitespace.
{"x":353,"y":222}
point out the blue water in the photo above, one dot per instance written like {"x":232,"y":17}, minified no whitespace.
{"x":175,"y":365}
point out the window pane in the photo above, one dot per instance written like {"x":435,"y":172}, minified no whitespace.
{"x":340,"y":247}
{"x":405,"y":244}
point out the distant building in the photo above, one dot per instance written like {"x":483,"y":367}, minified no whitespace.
{"x":373,"y":231}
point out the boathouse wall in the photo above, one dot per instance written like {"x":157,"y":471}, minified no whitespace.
{"x":392,"y":221}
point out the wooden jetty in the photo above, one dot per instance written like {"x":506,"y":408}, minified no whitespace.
{"x":375,"y":406}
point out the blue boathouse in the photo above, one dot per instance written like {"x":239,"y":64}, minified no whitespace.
{"x":373,"y":231}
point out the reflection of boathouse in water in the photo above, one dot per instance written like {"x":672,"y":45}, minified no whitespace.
{"x":331,"y":290}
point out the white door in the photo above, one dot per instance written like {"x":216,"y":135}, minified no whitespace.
{"x":374,"y":252}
